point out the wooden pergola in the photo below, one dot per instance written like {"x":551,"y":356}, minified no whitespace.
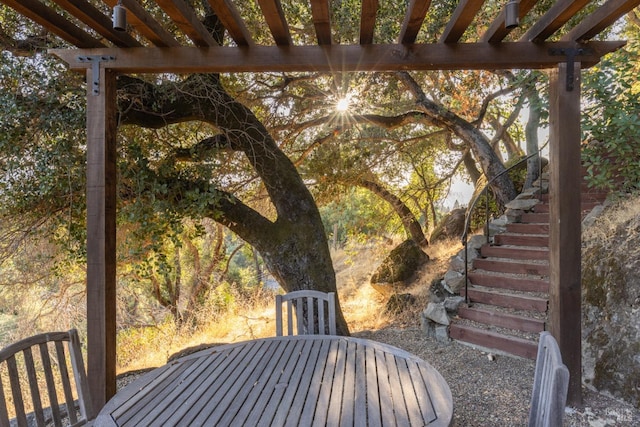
{"x":153,"y":45}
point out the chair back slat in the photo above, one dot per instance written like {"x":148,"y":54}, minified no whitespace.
{"x":65,"y":378}
{"x":16,"y":390}
{"x":33,"y":386}
{"x":306,"y":309}
{"x":44,"y":375}
{"x":4,"y":416}
{"x":79,"y":373}
{"x":51,"y":385}
{"x":550,"y":385}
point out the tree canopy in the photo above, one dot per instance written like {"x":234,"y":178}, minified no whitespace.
{"x":257,"y":153}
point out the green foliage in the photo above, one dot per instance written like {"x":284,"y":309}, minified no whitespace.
{"x":611,"y":121}
{"x":357,"y":213}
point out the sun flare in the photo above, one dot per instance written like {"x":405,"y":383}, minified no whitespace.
{"x":342,"y":105}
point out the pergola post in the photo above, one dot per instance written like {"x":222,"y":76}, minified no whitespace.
{"x":101,"y":233}
{"x":565,"y":180}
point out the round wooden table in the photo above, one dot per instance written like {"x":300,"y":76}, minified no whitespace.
{"x":295,"y":380}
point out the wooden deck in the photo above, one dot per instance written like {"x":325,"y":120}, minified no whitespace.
{"x":293,"y":380}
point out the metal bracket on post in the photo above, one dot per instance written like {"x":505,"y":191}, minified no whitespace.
{"x":571,"y":54}
{"x":95,"y":69}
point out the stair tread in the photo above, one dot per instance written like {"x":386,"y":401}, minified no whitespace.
{"x":511,"y":276}
{"x":522,"y":347}
{"x":521,"y":301}
{"x":533,"y":296}
{"x":528,"y":267}
{"x":511,"y":233}
{"x":502,"y":319}
{"x":509,"y":281}
{"x":542,"y":317}
{"x":514,"y":261}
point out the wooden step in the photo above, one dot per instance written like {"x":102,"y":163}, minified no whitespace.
{"x":508,"y":282}
{"x":503,"y":320}
{"x":587,"y":195}
{"x":585,"y":205}
{"x":528,"y":228}
{"x":501,"y":299}
{"x":515,"y":252}
{"x":493,"y":340}
{"x":532,"y":217}
{"x":514,"y":267}
{"x":541,"y":208}
{"x":517,"y":239}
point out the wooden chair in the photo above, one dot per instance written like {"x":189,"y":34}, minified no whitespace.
{"x":315,"y":313}
{"x":40,"y":363}
{"x":550,"y":385}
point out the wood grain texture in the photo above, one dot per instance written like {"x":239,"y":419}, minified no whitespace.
{"x":293,"y":380}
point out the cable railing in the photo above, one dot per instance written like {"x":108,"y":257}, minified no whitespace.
{"x":484,"y":192}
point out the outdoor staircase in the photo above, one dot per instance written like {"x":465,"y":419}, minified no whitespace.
{"x":509,"y":285}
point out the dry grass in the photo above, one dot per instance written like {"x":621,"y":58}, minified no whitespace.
{"x":605,"y":226}
{"x":363,"y":307}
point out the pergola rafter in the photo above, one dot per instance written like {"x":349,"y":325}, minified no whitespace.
{"x":174,"y":39}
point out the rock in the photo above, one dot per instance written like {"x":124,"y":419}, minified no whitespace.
{"x":437,"y":313}
{"x":514,"y":215}
{"x":456,"y":262}
{"x":611,"y":311}
{"x":442,"y":333}
{"x":397,"y":270}
{"x":451,"y":304}
{"x":498,"y":225}
{"x":529,"y":193}
{"x":399,"y":302}
{"x":476,"y":241}
{"x":451,"y":226}
{"x":433,"y":330}
{"x":453,"y":281}
{"x":592,"y":216}
{"x":522,"y":204}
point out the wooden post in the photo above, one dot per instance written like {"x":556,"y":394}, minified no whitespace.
{"x":565,"y":180}
{"x":101,"y":234}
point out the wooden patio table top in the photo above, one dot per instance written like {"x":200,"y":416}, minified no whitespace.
{"x":293,"y":380}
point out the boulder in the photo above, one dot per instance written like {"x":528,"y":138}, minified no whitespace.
{"x":453,"y":281}
{"x":396,"y":272}
{"x":451,"y":304}
{"x":522,"y":204}
{"x":451,"y":226}
{"x":611,"y":312}
{"x":436,"y":312}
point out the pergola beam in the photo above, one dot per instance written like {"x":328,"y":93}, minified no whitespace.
{"x":145,"y":24}
{"x":368,"y":20}
{"x":232,"y":21}
{"x":413,"y":19}
{"x":52,"y":21}
{"x":460,"y":20}
{"x":497,"y":31}
{"x":339,"y":58}
{"x":275,"y":19}
{"x":189,"y":23}
{"x":602,"y":18}
{"x":556,"y":17}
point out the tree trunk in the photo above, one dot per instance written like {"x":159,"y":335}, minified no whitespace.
{"x":531,"y":136}
{"x":409,"y":221}
{"x":480,"y":145}
{"x":294,"y":245}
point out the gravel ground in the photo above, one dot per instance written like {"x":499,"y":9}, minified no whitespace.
{"x":495,"y":390}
